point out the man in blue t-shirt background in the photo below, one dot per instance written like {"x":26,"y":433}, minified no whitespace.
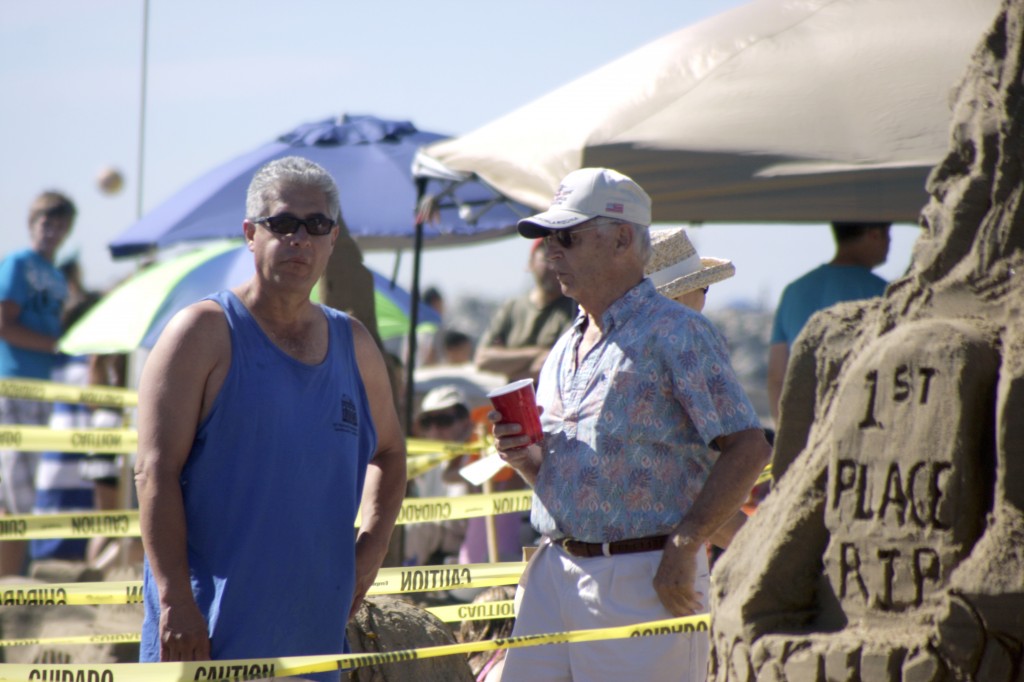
{"x":860,"y":247}
{"x":32,"y":295}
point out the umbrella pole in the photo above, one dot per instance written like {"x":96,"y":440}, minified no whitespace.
{"x":410,"y":381}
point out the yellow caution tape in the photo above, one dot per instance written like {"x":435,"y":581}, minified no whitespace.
{"x":86,"y":441}
{"x":126,"y":523}
{"x":112,"y":638}
{"x":257,"y":668}
{"x":398,"y":580}
{"x":421,"y":446}
{"x":82,"y":525}
{"x":125,"y":441}
{"x":407,"y":579}
{"x":424,"y":455}
{"x":33,"y":438}
{"x":669,"y":626}
{"x":487,"y":610}
{"x":71,"y":594}
{"x":34,"y":389}
{"x":454,"y":613}
{"x":417,"y":465}
{"x":420,"y":509}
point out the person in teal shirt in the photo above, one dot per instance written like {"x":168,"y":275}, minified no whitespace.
{"x":860,"y":247}
{"x":32,"y":295}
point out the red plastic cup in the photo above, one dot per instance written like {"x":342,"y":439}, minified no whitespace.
{"x":518,"y":405}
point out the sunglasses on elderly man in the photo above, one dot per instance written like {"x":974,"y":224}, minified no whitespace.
{"x":317,"y":225}
{"x":566,"y":238}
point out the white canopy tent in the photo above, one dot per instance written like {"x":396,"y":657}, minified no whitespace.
{"x":778,"y":110}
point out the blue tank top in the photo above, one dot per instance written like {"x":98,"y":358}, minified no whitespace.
{"x":271,"y":489}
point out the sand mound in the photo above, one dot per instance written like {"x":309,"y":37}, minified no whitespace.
{"x":892,"y":547}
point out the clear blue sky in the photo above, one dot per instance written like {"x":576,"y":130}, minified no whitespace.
{"x":227,"y":76}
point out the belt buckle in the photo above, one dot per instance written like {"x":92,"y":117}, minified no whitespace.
{"x":564,"y":544}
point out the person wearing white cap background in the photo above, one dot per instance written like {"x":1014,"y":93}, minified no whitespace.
{"x":650,"y":446}
{"x":443,"y":416}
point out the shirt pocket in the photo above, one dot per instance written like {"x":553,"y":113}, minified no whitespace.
{"x":632,"y":400}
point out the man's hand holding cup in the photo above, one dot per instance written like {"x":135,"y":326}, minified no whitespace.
{"x":516,"y":427}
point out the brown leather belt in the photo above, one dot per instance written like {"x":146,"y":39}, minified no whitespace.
{"x":578,"y":548}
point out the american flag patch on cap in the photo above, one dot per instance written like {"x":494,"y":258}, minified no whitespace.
{"x":613,"y":208}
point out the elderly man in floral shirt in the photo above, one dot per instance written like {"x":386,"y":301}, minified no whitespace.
{"x":650,"y":445}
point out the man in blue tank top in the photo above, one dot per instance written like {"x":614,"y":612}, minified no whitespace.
{"x":266,"y":423}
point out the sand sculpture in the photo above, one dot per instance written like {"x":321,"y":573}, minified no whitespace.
{"x":387,"y":624}
{"x":892,"y":547}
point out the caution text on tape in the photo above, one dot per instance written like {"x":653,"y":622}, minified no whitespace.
{"x":389,"y":581}
{"x":300,"y":665}
{"x":48,"y":391}
{"x":126,"y":523}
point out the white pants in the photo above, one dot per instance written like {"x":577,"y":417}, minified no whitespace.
{"x":18,"y":468}
{"x":560,"y":592}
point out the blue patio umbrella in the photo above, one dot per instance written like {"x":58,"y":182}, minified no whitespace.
{"x":371,"y":160}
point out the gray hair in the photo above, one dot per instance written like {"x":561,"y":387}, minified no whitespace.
{"x":291,"y":170}
{"x":641,"y":234}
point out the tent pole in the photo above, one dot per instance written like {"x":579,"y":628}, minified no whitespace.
{"x":410,"y":381}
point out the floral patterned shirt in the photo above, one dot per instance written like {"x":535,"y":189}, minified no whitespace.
{"x":628,"y":427}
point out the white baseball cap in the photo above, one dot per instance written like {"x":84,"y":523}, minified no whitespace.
{"x":442,"y":398}
{"x":588,"y":193}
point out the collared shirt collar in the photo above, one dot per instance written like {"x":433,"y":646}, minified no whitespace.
{"x":634,"y":302}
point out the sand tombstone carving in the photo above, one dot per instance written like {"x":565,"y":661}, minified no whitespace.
{"x":893,"y":545}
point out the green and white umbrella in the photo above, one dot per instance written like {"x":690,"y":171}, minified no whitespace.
{"x":136,"y":311}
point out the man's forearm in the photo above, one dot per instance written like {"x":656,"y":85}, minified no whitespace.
{"x":22,"y":337}
{"x":727,"y":487}
{"x":164,"y":536}
{"x":511,"y":362}
{"x":383,"y":493}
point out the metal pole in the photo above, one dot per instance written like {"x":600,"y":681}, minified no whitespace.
{"x":127,"y":478}
{"x":142,"y":109}
{"x":414,"y":316}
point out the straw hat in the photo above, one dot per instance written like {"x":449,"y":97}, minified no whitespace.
{"x":675,"y":268}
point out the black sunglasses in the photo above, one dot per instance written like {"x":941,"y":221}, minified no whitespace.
{"x":565,"y":238}
{"x":441,"y":421}
{"x":317,"y":225}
